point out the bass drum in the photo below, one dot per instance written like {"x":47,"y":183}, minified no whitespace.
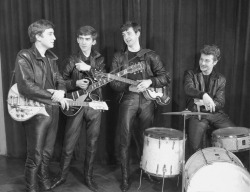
{"x":215,"y":170}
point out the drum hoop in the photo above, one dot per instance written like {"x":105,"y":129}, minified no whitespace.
{"x":231,"y":136}
{"x":165,"y":138}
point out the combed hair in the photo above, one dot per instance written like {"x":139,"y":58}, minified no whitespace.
{"x":38,"y":27}
{"x":136,"y":27}
{"x":211,"y":50}
{"x":87,"y":30}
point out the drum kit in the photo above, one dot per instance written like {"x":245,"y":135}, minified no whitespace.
{"x":210,"y":169}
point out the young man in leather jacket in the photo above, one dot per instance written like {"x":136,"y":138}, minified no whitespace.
{"x":80,"y":70}
{"x":133,"y":104}
{"x":205,"y":91}
{"x":38,"y":79}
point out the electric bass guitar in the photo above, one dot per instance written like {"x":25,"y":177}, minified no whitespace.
{"x":85,"y":95}
{"x":160,"y":95}
{"x":22,"y":109}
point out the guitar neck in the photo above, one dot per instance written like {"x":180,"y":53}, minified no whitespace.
{"x":77,"y":103}
{"x":103,"y":81}
{"x":122,"y":79}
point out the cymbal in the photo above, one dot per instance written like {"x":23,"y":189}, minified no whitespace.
{"x":185,"y":112}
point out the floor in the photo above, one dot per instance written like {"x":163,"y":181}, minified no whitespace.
{"x":107,"y":177}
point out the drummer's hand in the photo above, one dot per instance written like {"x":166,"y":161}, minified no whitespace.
{"x":209,"y":103}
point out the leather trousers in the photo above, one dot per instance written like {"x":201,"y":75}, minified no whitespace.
{"x":41,"y":133}
{"x":197,"y":128}
{"x":72,"y":133}
{"x":132,"y":106}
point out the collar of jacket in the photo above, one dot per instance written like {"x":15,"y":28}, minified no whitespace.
{"x":49,"y":54}
{"x":214,"y":74}
{"x":93,"y":55}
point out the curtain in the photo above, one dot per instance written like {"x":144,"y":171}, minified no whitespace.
{"x":174,"y":29}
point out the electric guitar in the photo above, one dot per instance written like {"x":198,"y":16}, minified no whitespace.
{"x":85,"y":95}
{"x":160,"y":95}
{"x":22,"y":109}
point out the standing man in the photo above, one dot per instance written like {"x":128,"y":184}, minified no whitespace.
{"x":38,"y":79}
{"x":133,"y":104}
{"x":205,"y":91}
{"x":80,"y":69}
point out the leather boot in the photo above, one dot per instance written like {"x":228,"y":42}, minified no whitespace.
{"x":44,"y":179}
{"x":31,"y":179}
{"x":124,"y":169}
{"x":88,"y":172}
{"x":62,"y":176}
{"x":125,"y":178}
{"x":58,"y":180}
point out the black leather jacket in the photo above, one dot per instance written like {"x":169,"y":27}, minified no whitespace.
{"x":30,"y":74}
{"x":154,"y":69}
{"x":71,"y":74}
{"x":194,"y":87}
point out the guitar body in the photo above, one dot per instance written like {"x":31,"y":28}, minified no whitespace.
{"x":21,"y":108}
{"x":74,"y":110}
{"x":160,"y":95}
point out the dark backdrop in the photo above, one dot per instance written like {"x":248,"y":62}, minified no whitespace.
{"x":175,"y":29}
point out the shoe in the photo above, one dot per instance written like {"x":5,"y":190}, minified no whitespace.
{"x":57,"y":181}
{"x":125,"y":185}
{"x":90,"y":183}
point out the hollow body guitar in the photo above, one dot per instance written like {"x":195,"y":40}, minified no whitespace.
{"x":160,"y":95}
{"x":22,"y":109}
{"x":86,"y":95}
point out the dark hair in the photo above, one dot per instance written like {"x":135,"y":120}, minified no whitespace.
{"x":87,"y":30}
{"x":38,"y":27}
{"x":136,"y":27}
{"x":211,"y":50}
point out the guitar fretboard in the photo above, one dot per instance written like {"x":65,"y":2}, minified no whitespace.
{"x":77,"y":103}
{"x":122,"y":79}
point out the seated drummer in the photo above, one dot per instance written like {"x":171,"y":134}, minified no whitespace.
{"x":205,"y":92}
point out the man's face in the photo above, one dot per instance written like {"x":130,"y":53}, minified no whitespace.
{"x":47,"y":38}
{"x":130,"y":37}
{"x":207,"y":63}
{"x":85,"y":42}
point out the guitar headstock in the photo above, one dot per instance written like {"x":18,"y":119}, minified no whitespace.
{"x":98,"y":105}
{"x":135,"y":68}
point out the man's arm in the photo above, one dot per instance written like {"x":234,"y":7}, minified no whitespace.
{"x":25,"y":79}
{"x":116,"y":85}
{"x":160,"y":76}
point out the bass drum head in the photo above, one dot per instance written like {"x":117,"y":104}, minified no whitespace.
{"x":162,"y":132}
{"x":215,"y":170}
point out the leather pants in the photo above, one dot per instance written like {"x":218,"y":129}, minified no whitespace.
{"x":72,"y":133}
{"x":133,"y":105}
{"x":197,"y":128}
{"x":41,"y":133}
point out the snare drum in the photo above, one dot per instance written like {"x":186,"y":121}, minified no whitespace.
{"x":215,"y":170}
{"x":233,"y":139}
{"x":162,"y":152}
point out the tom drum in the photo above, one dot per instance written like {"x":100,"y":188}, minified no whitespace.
{"x":162,"y":152}
{"x":233,"y":139}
